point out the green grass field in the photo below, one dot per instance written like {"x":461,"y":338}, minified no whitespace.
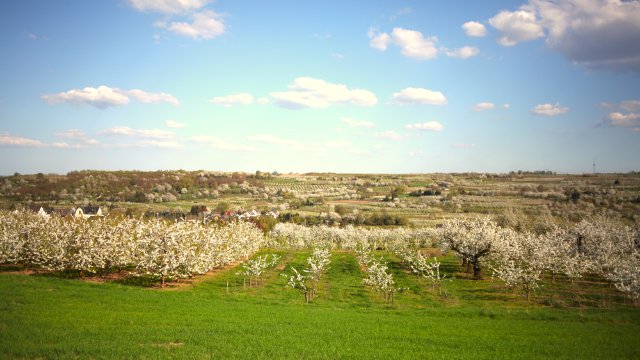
{"x":44,"y":316}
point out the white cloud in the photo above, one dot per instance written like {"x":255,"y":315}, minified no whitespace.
{"x":234,"y":99}
{"x":391,"y":135}
{"x":516,"y":26}
{"x":77,"y":135}
{"x":156,"y":134}
{"x":153,"y":98}
{"x":10,"y":140}
{"x":506,"y":106}
{"x":549,"y":109}
{"x":103,"y":97}
{"x":168,"y":6}
{"x":412,"y":43}
{"x":483,"y":106}
{"x":306,"y":92}
{"x":474,"y":29}
{"x":357,"y":123}
{"x":222,"y":144}
{"x":378,"y":40}
{"x":464,"y":52}
{"x":412,"y":95}
{"x":100,"y":97}
{"x":175,"y":124}
{"x":204,"y":25}
{"x":427,"y":126}
{"x":623,"y":120}
{"x":600,"y":34}
{"x":262,"y":101}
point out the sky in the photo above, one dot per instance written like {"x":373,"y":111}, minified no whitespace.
{"x":328,"y":86}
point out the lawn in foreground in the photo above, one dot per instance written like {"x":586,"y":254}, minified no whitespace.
{"x":48,"y":317}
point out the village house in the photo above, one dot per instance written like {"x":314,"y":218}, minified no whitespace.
{"x":86,"y":212}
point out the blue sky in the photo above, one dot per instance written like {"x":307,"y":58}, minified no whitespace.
{"x":343,"y":86}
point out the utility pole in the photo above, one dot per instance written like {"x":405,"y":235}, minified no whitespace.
{"x":594,"y":167}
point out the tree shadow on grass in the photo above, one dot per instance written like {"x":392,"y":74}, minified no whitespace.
{"x":11,"y":268}
{"x":140,"y":281}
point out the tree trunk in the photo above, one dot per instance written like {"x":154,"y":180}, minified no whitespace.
{"x":162,"y":280}
{"x":468,"y":266}
{"x":476,"y":270}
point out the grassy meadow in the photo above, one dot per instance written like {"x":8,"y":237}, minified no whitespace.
{"x":216,"y":316}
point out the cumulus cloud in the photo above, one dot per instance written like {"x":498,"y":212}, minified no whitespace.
{"x":413,"y":95}
{"x":483,"y":106}
{"x":464,"y":52}
{"x":168,"y":6}
{"x":390,"y":135}
{"x":516,"y":26}
{"x":221,"y":144}
{"x":619,"y":119}
{"x":380,"y":41}
{"x":153,"y":98}
{"x":357,"y":123}
{"x":427,"y":126}
{"x":100,"y":97}
{"x":156,"y":134}
{"x":474,"y":29}
{"x":307,"y":92}
{"x":412,"y":43}
{"x":103,"y":97}
{"x":11,"y":140}
{"x":175,"y":124}
{"x":234,"y":99}
{"x":204,"y":25}
{"x":549,"y":109}
{"x":600,"y":34}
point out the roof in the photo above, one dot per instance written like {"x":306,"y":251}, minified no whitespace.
{"x":90,"y":210}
